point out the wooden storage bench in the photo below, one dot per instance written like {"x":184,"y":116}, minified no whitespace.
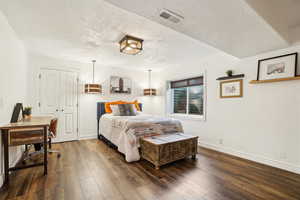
{"x":164,"y":149}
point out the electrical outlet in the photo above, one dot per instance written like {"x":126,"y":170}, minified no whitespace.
{"x":283,"y":156}
{"x":220,"y":141}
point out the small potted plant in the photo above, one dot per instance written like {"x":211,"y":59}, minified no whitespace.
{"x":27,"y":112}
{"x":229,"y":72}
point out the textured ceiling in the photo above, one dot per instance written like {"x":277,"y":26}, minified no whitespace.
{"x":232,"y":26}
{"x":283,"y":16}
{"x":84,"y":30}
{"x":81,"y":30}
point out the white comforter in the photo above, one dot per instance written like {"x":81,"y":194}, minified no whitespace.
{"x":125,"y":131}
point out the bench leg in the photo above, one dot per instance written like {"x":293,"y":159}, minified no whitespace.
{"x":194,"y":157}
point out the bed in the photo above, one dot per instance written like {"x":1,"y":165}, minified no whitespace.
{"x":101,"y":112}
{"x":124,"y":132}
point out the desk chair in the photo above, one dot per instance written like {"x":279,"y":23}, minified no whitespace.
{"x":51,"y":134}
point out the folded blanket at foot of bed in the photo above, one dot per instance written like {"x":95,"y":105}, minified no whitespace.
{"x":128,"y":142}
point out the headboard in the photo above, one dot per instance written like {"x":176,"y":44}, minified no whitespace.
{"x":101,"y":111}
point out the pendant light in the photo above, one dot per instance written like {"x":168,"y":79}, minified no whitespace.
{"x":93,"y":88}
{"x":149,"y":91}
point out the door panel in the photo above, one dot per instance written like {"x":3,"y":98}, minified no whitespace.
{"x":49,"y":99}
{"x":68,"y":106}
{"x":58,"y":96}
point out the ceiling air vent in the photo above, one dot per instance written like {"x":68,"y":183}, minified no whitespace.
{"x":171,"y":16}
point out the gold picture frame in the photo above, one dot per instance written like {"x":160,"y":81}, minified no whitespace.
{"x":231,"y":89}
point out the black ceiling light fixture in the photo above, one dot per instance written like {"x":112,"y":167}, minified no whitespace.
{"x":131,"y":45}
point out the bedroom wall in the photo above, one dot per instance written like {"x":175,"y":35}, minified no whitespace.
{"x":262,"y":126}
{"x":87,"y":102}
{"x":13,"y":80}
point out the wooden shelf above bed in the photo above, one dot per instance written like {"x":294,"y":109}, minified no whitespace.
{"x":275,"y":80}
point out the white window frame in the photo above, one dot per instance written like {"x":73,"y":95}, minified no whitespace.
{"x":186,"y":116}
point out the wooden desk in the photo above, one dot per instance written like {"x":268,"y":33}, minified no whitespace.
{"x":29,"y":131}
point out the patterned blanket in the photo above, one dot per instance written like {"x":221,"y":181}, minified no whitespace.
{"x":133,"y":130}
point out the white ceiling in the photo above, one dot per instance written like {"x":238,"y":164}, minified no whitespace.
{"x":282,"y":15}
{"x":233,"y":26}
{"x":80,"y":30}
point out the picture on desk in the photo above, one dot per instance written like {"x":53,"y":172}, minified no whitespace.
{"x":16,"y":113}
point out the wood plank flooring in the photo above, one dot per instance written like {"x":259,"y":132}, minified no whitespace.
{"x":90,"y":170}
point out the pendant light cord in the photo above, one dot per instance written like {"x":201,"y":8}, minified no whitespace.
{"x":93,"y":70}
{"x":149,"y":78}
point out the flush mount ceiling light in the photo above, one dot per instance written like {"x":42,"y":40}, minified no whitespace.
{"x":149,"y":91}
{"x":93,"y":88}
{"x":131,"y":45}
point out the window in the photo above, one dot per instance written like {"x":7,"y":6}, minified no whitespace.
{"x":187,"y":96}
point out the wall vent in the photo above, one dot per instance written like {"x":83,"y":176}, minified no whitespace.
{"x":171,"y":16}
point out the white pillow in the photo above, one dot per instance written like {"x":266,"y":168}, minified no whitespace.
{"x":115,"y":110}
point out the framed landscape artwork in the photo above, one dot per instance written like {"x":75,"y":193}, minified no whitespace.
{"x":120,"y":85}
{"x":284,"y":66}
{"x":231,"y":89}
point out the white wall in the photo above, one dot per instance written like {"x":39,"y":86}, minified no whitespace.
{"x":87,"y":102}
{"x":13,"y":80}
{"x":262,"y":126}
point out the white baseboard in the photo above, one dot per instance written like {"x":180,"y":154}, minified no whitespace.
{"x":88,"y":137}
{"x":256,"y":158}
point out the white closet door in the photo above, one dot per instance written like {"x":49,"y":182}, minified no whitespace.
{"x":68,"y":106}
{"x":49,"y":97}
{"x":58,"y":97}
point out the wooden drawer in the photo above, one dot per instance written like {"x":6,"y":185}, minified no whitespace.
{"x":25,"y":136}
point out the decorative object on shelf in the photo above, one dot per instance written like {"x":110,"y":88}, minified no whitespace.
{"x":120,"y":85}
{"x":149,"y":91}
{"x":279,"y":67}
{"x":131,"y":45}
{"x":93,"y":88}
{"x":231,"y":77}
{"x":231,"y":89}
{"x":27,"y":112}
{"x":229,"y":72}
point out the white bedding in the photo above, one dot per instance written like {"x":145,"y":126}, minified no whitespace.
{"x":121,"y":130}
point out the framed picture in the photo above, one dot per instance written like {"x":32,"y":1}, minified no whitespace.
{"x":284,"y":66}
{"x":231,"y":89}
{"x":120,"y":85}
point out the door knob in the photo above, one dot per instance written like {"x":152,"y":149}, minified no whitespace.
{"x":62,"y":110}
{"x":56,"y":110}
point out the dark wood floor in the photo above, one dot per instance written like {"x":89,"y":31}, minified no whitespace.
{"x":91,"y":170}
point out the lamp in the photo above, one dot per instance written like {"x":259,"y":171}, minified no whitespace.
{"x":93,"y":88}
{"x":149,"y":91}
{"x":131,"y":45}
